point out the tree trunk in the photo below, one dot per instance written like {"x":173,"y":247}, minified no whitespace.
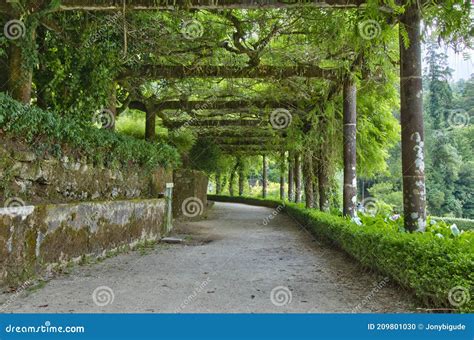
{"x":232,"y":178}
{"x":411,"y":116}
{"x":150,"y":130}
{"x":231,"y":183}
{"x":112,"y":107}
{"x":349,"y":145}
{"x":20,"y":72}
{"x":3,"y":63}
{"x":297,"y":174}
{"x":291,"y":192}
{"x":308,"y":179}
{"x":3,"y":74}
{"x":42,"y":98}
{"x":224,"y":181}
{"x":20,"y":76}
{"x":241,"y":179}
{"x":218,"y":184}
{"x":282,"y":186}
{"x":315,"y":188}
{"x":323,"y":184}
{"x":264,"y":177}
{"x":282,"y":176}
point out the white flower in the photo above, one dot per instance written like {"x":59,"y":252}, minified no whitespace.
{"x":439,"y":235}
{"x":395,"y":217}
{"x":455,"y":230}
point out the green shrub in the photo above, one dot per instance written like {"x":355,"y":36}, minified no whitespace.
{"x":425,"y":263}
{"x":132,"y":123}
{"x":58,"y":135}
{"x":462,"y":223}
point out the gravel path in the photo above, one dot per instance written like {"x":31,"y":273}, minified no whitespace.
{"x":231,"y":262}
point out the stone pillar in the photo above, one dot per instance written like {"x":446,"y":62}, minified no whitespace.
{"x":218,"y":184}
{"x":231,"y":182}
{"x":150,"y":130}
{"x":315,"y":190}
{"x":411,"y":116}
{"x":189,"y":192}
{"x":308,"y":179}
{"x":264,"y":177}
{"x":349,"y":145}
{"x":20,"y":73}
{"x":282,"y":176}
{"x":169,"y":208}
{"x":291,"y":192}
{"x":323,"y":185}
{"x":297,"y":174}
{"x":112,"y":107}
{"x":241,"y":180}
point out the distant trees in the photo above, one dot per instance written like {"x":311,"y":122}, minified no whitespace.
{"x":447,"y":120}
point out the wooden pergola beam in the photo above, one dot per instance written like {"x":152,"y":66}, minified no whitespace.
{"x":228,"y":104}
{"x":211,"y":123}
{"x":264,"y":71}
{"x":262,"y":141}
{"x":110,"y":5}
{"x":232,"y":132}
{"x":246,"y":139}
{"x":249,"y":148}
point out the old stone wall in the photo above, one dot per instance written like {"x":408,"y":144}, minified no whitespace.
{"x":189,"y":193}
{"x":53,"y":211}
{"x":33,"y":238}
{"x":31,"y":180}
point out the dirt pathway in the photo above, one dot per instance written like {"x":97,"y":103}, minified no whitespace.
{"x":231,"y":262}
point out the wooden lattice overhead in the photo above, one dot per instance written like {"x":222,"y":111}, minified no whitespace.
{"x":207,"y":71}
{"x":213,"y":122}
{"x":191,"y":48}
{"x":101,"y":5}
{"x":239,"y":132}
{"x":188,"y":105}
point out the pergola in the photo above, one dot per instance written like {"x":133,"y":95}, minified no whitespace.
{"x":410,"y":95}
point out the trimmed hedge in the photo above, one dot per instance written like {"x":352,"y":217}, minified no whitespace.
{"x":423,"y":263}
{"x":462,"y":223}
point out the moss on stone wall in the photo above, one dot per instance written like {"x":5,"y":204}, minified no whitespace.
{"x":47,"y":180}
{"x":30,"y":241}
